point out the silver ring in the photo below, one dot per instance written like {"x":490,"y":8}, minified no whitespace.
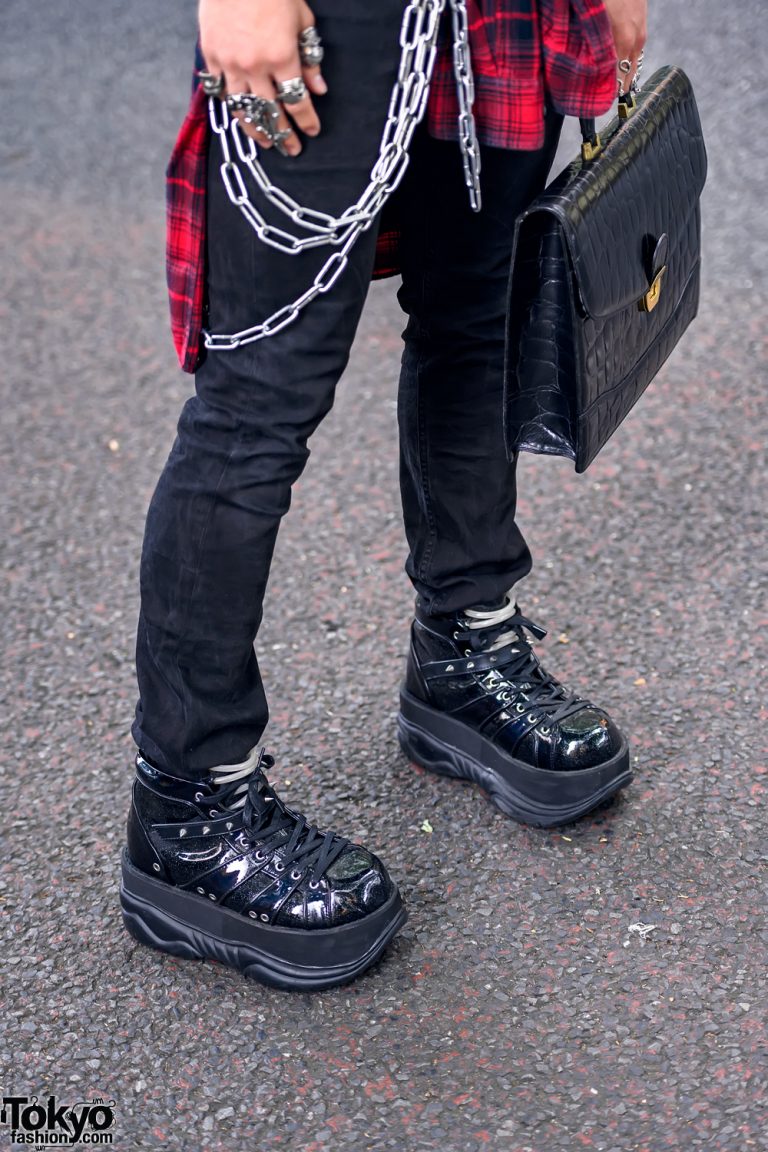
{"x":311,"y":48}
{"x":625,"y":66}
{"x":258,"y":108}
{"x":291,"y":91}
{"x":212,"y":84}
{"x":262,"y":113}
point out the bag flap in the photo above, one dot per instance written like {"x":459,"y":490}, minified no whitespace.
{"x":616,"y":210}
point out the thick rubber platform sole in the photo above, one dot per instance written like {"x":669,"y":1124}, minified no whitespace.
{"x":546,"y":799}
{"x":187,"y":925}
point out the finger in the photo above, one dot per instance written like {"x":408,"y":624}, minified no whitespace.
{"x":629,"y":41}
{"x":306,"y":18}
{"x":626,"y":78}
{"x":235,"y":82}
{"x":625,"y":53}
{"x":211,"y":65}
{"x":633,"y":72}
{"x":639,"y":56}
{"x":313,"y":78}
{"x":303,"y":111}
{"x":291,"y":144}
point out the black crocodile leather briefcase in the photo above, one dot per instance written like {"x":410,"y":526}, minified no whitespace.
{"x":605,"y":274}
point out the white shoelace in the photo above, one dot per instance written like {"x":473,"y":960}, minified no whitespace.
{"x":490,"y":617}
{"x":229,"y":773}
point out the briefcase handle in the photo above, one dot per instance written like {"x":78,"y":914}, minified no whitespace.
{"x":591,"y":144}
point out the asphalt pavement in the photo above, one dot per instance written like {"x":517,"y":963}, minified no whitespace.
{"x":602,"y":986}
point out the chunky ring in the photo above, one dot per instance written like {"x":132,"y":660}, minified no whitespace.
{"x":212,"y":84}
{"x":311,"y":48}
{"x":258,"y":108}
{"x":262,"y":113}
{"x":291,"y":91}
{"x":625,"y":66}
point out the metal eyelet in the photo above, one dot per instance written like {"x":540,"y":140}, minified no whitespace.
{"x":199,"y":796}
{"x":295,"y":875}
{"x":456,"y":635}
{"x":279,"y":867}
{"x":532,"y":718}
{"x":314,"y":884}
{"x":259,"y":855}
{"x":213,"y":811}
{"x":253,"y":915}
{"x":467,"y":651}
{"x":156,"y":867}
{"x":545,"y":730}
{"x":264,"y":917}
{"x":211,"y":896}
{"x":520,"y":708}
{"x":201,"y":891}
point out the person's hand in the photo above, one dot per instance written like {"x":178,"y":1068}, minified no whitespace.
{"x":629,"y":27}
{"x":255,"y":44}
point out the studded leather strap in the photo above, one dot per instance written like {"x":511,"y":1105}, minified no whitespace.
{"x":230,"y":822}
{"x":477,"y":662}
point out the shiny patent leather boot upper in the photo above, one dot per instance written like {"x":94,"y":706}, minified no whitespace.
{"x":477,"y":704}
{"x":223,"y":868}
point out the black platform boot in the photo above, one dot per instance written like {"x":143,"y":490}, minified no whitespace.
{"x":476,"y":704}
{"x":224,"y":869}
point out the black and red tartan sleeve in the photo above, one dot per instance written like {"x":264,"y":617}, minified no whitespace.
{"x":185,"y":231}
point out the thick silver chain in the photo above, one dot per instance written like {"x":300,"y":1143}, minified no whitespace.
{"x":407,"y":106}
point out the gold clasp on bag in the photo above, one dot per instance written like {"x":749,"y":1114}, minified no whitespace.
{"x":648,"y":302}
{"x":591,"y":148}
{"x":627,"y":105}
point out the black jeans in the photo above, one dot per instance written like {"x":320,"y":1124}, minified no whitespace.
{"x":242,"y":439}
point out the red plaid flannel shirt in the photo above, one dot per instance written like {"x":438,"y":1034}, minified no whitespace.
{"x":524,"y":53}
